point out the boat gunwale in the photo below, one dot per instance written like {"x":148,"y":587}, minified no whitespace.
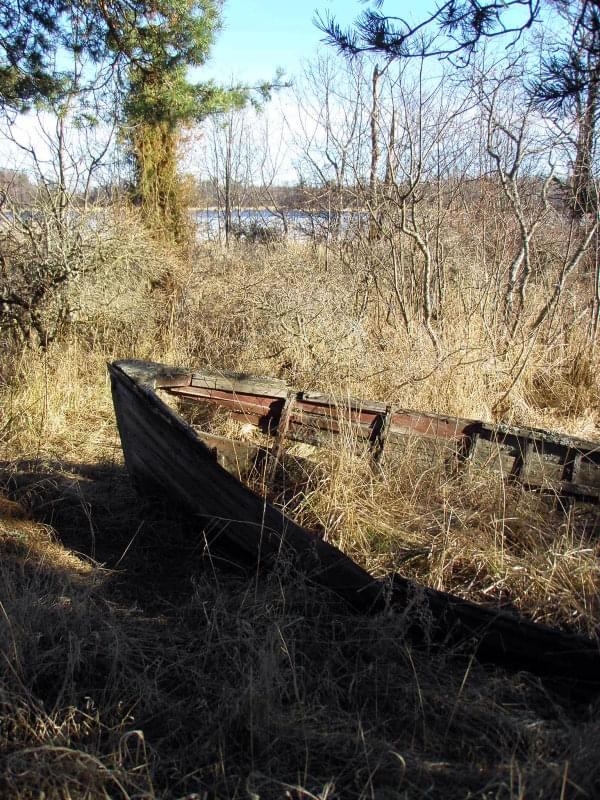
{"x":259,"y":400}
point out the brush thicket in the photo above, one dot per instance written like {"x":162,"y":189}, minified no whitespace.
{"x":154,"y":669}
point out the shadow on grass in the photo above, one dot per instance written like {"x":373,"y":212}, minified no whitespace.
{"x":153,"y":553}
{"x":242,"y":692}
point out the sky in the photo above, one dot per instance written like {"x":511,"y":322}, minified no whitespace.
{"x":258,"y":36}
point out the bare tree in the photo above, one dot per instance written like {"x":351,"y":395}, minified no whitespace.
{"x":46,"y":239}
{"x":515,"y":155}
{"x":332,"y":133}
{"x":225,"y":153}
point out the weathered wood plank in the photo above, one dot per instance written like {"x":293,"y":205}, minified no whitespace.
{"x":238,"y":458}
{"x":240,"y":382}
{"x":494,"y":456}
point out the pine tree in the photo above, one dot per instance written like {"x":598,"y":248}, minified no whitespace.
{"x":142,"y":50}
{"x":161,"y":102}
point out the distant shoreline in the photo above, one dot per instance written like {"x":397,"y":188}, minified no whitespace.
{"x":271,"y":210}
{"x":216,"y":209}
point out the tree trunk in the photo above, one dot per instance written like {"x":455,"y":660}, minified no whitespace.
{"x":158,"y":189}
{"x":584,"y":195}
{"x":373,"y":226}
{"x":227,"y":187}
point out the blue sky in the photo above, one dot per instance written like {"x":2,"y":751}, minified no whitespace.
{"x":260,"y":35}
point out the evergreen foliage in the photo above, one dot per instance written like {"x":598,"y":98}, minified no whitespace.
{"x":456,"y":27}
{"x":142,"y":51}
{"x":161,"y":100}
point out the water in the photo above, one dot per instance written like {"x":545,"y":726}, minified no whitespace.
{"x":262,"y":224}
{"x":252,"y":224}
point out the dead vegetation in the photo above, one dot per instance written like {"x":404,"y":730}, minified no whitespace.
{"x":122,"y":684}
{"x":139,"y":666}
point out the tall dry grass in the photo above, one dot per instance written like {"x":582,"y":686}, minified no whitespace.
{"x":138,"y":667}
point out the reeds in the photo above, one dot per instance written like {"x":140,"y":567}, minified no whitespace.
{"x":137,"y":665}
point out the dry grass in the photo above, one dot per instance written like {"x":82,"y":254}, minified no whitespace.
{"x":138,"y":667}
{"x":245,"y":688}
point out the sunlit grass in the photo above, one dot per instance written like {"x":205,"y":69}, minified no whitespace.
{"x":136,"y":668}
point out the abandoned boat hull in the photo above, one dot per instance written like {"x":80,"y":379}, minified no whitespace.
{"x":165,"y":456}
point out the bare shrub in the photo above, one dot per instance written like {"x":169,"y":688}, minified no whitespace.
{"x":89,"y":268}
{"x":42,"y":250}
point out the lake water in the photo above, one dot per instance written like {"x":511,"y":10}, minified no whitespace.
{"x":257,"y":223}
{"x":300,"y":224}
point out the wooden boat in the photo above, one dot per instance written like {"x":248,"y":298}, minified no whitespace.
{"x":166,"y":456}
